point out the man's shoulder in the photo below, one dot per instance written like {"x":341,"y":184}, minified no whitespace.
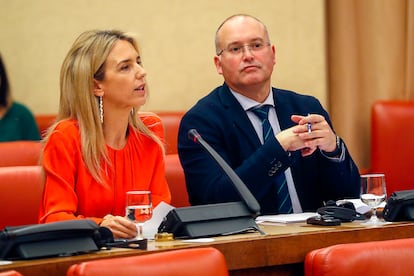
{"x":209,"y":100}
{"x":214,"y":94}
{"x":293,"y":95}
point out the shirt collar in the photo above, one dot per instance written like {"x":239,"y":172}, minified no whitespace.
{"x":248,"y":104}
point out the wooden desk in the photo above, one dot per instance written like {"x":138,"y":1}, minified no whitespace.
{"x":281,"y":251}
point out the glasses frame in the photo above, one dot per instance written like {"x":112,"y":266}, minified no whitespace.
{"x":250,"y":47}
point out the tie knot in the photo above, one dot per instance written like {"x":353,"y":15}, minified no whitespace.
{"x":261,"y":112}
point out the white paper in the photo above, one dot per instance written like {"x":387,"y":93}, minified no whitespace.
{"x":286,"y":218}
{"x":360,"y":206}
{"x":200,"y":240}
{"x":3,"y":262}
{"x":150,"y":227}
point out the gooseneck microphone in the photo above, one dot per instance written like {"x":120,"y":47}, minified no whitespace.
{"x":244,"y":192}
{"x":214,"y":219}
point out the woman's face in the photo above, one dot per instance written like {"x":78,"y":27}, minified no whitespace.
{"x":123,"y":86}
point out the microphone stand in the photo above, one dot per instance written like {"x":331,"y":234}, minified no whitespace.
{"x":214,"y":219}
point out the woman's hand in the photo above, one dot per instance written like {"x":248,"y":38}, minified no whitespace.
{"x":121,"y":227}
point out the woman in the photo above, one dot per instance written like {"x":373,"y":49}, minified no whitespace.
{"x":98,"y":148}
{"x":16,"y":120}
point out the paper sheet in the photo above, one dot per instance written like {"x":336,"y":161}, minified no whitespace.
{"x":150,"y":227}
{"x":286,"y":218}
{"x":360,"y":207}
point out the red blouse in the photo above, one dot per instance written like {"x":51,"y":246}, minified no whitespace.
{"x":70,"y":190}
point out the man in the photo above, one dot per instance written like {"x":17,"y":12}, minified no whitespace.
{"x":300,"y":152}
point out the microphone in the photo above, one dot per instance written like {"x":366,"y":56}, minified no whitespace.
{"x":241,"y":188}
{"x":103,"y":237}
{"x":214,"y":219}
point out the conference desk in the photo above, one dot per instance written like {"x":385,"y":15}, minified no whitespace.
{"x":280,"y":252}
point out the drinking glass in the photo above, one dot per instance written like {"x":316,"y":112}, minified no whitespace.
{"x":373,"y":193}
{"x":139,"y":208}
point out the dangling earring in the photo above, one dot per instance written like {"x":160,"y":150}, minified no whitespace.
{"x":101,"y":109}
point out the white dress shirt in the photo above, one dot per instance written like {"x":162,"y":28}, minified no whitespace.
{"x":249,"y":104}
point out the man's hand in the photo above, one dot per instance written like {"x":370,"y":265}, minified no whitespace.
{"x":290,"y":140}
{"x":318,"y":135}
{"x":310,"y":133}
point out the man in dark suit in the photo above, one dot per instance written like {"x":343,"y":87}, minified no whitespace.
{"x":302,"y":152}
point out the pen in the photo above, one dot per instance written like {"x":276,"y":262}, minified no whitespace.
{"x":309,"y":126}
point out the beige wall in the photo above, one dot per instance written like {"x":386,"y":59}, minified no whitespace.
{"x":177,"y":42}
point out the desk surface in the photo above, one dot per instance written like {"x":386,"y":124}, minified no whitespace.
{"x":283,"y":248}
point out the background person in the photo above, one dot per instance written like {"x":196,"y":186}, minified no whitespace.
{"x":16,"y":120}
{"x":304,"y":155}
{"x":99,"y":149}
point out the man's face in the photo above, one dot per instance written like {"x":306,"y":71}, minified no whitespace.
{"x":247,"y":57}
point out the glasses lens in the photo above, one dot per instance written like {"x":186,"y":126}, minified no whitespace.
{"x":236,"y":49}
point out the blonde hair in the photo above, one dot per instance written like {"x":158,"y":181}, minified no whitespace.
{"x":85,"y":62}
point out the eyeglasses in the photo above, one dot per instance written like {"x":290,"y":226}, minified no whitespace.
{"x":237,"y":49}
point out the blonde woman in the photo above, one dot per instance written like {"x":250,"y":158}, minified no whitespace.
{"x":98,"y":148}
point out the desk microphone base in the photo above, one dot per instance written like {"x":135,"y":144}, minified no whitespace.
{"x":209,"y":220}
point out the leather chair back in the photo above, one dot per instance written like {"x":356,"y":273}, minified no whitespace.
{"x":21,"y":194}
{"x":171,"y":122}
{"x":44,"y":121}
{"x":390,"y":257}
{"x":176,"y":181}
{"x":204,"y":261}
{"x":392,"y":143}
{"x":20,"y":153}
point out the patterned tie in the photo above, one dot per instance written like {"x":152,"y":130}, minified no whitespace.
{"x":285,"y":204}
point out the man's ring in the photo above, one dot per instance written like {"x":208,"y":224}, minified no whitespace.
{"x":309,"y":128}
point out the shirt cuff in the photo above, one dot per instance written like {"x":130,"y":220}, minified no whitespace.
{"x":338,"y":154}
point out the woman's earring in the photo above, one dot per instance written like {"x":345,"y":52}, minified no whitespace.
{"x":101,"y":109}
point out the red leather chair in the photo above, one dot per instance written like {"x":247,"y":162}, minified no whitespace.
{"x":181,"y":262}
{"x":20,"y":153}
{"x":10,"y":273}
{"x":176,"y":181}
{"x":392,"y":143}
{"x":21,"y":194}
{"x":390,"y":257}
{"x":44,"y":121}
{"x":173,"y":171}
{"x":171,"y":122}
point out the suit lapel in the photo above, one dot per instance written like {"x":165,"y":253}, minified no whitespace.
{"x":282,"y":111}
{"x":238,"y":115}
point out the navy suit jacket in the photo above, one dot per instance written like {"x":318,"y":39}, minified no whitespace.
{"x":222,"y":122}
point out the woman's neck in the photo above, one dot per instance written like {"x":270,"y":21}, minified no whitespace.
{"x":115,"y":130}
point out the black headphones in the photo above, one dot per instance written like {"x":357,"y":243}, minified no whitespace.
{"x":345,"y":211}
